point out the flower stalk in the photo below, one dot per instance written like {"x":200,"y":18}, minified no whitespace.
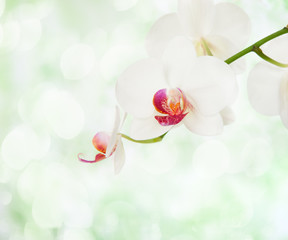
{"x":253,"y":48}
{"x":260,"y":53}
{"x":256,"y":48}
{"x":152,"y":140}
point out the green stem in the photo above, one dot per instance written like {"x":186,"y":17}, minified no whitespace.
{"x":268,"y":59}
{"x":257,"y":45}
{"x":152,"y":140}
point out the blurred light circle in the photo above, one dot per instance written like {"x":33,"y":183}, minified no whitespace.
{"x":117,"y":58}
{"x":61,"y":199}
{"x":236,"y":215}
{"x":16,"y":236}
{"x":183,"y":237}
{"x":29,"y":182}
{"x":123,"y":5}
{"x":98,"y":39}
{"x":33,"y":232}
{"x":2,"y":7}
{"x":161,"y":161}
{"x":77,"y":213}
{"x":46,"y":210}
{"x":256,"y":157}
{"x":126,"y":33}
{"x":166,"y":6}
{"x":11,"y":35}
{"x":211,"y":159}
{"x":35,"y":10}
{"x":61,"y":112}
{"x":1,"y":34}
{"x":22,"y":145}
{"x":77,"y":234}
{"x":77,"y":61}
{"x":5,"y":172}
{"x":30,"y":34}
{"x":5,"y":197}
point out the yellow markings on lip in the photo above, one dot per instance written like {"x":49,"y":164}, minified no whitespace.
{"x":172,"y":103}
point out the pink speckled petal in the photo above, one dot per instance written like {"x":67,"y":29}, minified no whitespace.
{"x":160,"y":101}
{"x":100,"y":157}
{"x":170,"y":120}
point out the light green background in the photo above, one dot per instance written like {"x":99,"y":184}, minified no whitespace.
{"x":59,"y":61}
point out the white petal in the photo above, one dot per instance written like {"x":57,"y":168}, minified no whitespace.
{"x":227,"y":115}
{"x":119,"y":157}
{"x":137,"y":85}
{"x":115,"y":131}
{"x":232,"y":23}
{"x":161,"y":33}
{"x":196,"y":16}
{"x":210,"y":85}
{"x":220,"y":46}
{"x":284,"y":101}
{"x":223,"y":48}
{"x":239,"y":65}
{"x":147,"y":128}
{"x":277,"y":49}
{"x":178,"y":57}
{"x":203,"y":125}
{"x":264,"y":88}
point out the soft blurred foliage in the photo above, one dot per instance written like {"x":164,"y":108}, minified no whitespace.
{"x":59,"y":61}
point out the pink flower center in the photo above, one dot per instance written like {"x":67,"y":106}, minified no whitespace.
{"x":173,"y":104}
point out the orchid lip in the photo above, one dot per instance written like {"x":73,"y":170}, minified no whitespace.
{"x":170,"y":120}
{"x":98,"y":158}
{"x":172,"y":103}
{"x":100,"y":142}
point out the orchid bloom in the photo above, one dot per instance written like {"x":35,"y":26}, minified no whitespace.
{"x":219,"y":29}
{"x":179,"y":88}
{"x":109,"y":144}
{"x":268,"y":84}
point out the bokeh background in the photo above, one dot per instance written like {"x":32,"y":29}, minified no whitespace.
{"x":59,"y":61}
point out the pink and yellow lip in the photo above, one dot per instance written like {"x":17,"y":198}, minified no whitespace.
{"x":100,"y":142}
{"x":172,"y":103}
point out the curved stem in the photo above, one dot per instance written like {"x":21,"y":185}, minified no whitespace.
{"x":256,"y":45}
{"x":152,"y":140}
{"x":260,"y":53}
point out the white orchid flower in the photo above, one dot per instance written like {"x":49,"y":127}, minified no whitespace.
{"x":268,"y":84}
{"x":109,"y":144}
{"x":180,"y":88}
{"x":222,"y":28}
